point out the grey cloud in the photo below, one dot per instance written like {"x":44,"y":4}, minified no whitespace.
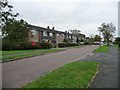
{"x":86,"y":16}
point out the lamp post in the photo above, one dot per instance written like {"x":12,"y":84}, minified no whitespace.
{"x":99,"y":40}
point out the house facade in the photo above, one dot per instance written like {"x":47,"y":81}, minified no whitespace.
{"x":40,"y":34}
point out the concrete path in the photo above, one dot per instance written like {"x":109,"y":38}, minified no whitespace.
{"x":108,"y":72}
{"x":18,"y":73}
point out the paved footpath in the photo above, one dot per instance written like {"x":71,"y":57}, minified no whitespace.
{"x":18,"y":73}
{"x":108,"y":71}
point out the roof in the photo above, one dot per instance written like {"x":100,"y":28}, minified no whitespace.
{"x":44,"y":29}
{"x":51,"y":30}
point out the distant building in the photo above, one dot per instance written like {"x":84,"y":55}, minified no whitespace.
{"x":40,"y":34}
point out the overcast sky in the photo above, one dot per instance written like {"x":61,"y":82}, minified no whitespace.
{"x":84,"y":15}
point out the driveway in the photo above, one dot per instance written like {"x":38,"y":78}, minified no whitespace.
{"x":20,"y":72}
{"x":108,"y":71}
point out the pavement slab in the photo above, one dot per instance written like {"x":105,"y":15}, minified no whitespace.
{"x":108,"y":71}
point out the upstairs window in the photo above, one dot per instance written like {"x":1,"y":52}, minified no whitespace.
{"x":51,"y":34}
{"x":44,"y":33}
{"x":34,"y":32}
{"x":57,"y":34}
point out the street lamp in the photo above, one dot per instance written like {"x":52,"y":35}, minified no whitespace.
{"x":99,"y":38}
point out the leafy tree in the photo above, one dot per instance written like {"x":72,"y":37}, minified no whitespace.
{"x":16,"y":30}
{"x":107,"y":31}
{"x":97,"y":38}
{"x":117,"y":40}
{"x":91,"y":39}
{"x":6,"y":12}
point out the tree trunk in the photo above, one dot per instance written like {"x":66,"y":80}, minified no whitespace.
{"x":108,"y":43}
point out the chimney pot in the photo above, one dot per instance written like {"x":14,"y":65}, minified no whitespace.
{"x":48,"y":27}
{"x":53,"y":28}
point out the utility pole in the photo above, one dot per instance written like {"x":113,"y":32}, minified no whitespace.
{"x":99,"y":40}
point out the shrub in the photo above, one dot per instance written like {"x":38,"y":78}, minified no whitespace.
{"x":119,"y":44}
{"x":62,"y":45}
{"x":45,"y":45}
{"x":18,"y":45}
{"x":86,"y":43}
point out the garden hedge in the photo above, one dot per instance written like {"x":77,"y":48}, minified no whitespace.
{"x":13,"y":45}
{"x":62,"y":45}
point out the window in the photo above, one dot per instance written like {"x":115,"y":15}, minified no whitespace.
{"x":62,"y":35}
{"x":69,"y":36}
{"x":44,"y":33}
{"x":51,"y":34}
{"x":34,"y":32}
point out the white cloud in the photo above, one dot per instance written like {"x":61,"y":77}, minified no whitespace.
{"x":68,"y":14}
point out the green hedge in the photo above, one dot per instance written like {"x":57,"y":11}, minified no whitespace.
{"x":45,"y":45}
{"x":13,"y":45}
{"x":62,"y":45}
{"x":119,"y":44}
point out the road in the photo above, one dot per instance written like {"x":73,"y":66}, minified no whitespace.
{"x":20,"y":72}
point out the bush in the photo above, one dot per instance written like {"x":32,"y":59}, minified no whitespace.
{"x":13,"y":45}
{"x":86,"y":43}
{"x":119,"y":44}
{"x":62,"y":45}
{"x":45,"y":45}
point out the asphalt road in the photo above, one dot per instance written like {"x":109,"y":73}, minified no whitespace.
{"x":108,"y":71}
{"x":20,"y":72}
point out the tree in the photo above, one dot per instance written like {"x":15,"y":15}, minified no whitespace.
{"x":6,"y":12}
{"x":91,"y":39}
{"x":97,"y":38}
{"x":107,"y":31}
{"x":16,"y":30}
{"x":117,"y":40}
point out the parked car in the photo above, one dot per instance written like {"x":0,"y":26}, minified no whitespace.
{"x":96,"y":43}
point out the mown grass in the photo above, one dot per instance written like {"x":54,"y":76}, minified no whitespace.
{"x":73,"y":75}
{"x":102,"y":49}
{"x":18,"y":54}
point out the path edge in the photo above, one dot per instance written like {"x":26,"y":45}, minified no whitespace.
{"x":95,"y":75}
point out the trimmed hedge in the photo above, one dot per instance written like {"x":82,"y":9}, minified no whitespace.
{"x":62,"y":45}
{"x":13,"y":45}
{"x":45,"y":45}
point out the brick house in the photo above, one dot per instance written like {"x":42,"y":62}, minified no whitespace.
{"x":40,"y":34}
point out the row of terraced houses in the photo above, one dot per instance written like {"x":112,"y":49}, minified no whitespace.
{"x":40,"y":34}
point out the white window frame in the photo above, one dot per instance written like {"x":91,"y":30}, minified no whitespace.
{"x":51,"y":34}
{"x":44,"y":33}
{"x":34,"y":32}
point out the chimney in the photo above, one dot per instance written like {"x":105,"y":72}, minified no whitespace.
{"x":48,"y":27}
{"x":53,"y":28}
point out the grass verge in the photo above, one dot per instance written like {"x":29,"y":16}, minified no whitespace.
{"x":73,"y":75}
{"x":101,"y":49}
{"x":18,"y":54}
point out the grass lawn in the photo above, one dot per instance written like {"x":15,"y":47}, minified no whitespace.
{"x":73,"y":75}
{"x":104,"y":48}
{"x":17,"y":54}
